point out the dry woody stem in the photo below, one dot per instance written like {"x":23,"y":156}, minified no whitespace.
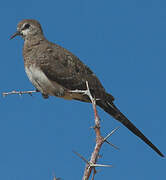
{"x":90,"y":165}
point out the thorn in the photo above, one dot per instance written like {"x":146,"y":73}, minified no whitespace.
{"x":111,"y":133}
{"x":90,"y":163}
{"x":100,"y":165}
{"x":79,"y":155}
{"x":112,"y":145}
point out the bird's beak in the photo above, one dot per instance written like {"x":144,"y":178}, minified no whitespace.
{"x":17,"y":33}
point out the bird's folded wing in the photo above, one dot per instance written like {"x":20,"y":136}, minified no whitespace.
{"x":67,"y":70}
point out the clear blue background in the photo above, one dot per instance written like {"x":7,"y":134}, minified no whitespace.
{"x":124,"y":43}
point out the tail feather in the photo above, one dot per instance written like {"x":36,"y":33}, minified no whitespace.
{"x":111,"y":109}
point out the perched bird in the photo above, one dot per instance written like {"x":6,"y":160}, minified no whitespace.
{"x":54,"y":71}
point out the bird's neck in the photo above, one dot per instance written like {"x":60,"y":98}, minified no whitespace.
{"x":31,"y":45}
{"x":34,"y":38}
{"x":33,"y":41}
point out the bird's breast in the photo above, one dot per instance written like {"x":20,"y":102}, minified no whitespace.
{"x":42,"y":82}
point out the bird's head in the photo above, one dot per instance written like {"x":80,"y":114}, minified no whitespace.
{"x":28,"y":28}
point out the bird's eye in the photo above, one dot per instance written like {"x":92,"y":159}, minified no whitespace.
{"x":26,"y":26}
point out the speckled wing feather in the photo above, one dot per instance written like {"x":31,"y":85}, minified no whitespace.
{"x":66,"y":69}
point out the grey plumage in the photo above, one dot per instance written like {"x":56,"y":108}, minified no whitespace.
{"x":55,"y":71}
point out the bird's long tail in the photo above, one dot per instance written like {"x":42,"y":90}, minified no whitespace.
{"x":111,"y":109}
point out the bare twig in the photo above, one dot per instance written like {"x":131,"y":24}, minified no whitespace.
{"x":19,"y":92}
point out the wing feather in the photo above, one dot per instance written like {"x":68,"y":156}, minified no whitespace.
{"x":66,"y":69}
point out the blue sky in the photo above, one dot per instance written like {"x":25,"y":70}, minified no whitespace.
{"x":124,"y":43}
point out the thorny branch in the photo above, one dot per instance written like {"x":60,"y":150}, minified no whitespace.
{"x":90,"y":165}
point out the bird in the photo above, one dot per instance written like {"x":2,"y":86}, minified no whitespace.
{"x":55,"y":71}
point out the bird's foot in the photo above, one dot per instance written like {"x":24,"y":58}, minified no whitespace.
{"x":85,"y":92}
{"x":45,"y":96}
{"x":79,"y":91}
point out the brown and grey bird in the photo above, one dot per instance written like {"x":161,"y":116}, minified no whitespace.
{"x":54,"y":71}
